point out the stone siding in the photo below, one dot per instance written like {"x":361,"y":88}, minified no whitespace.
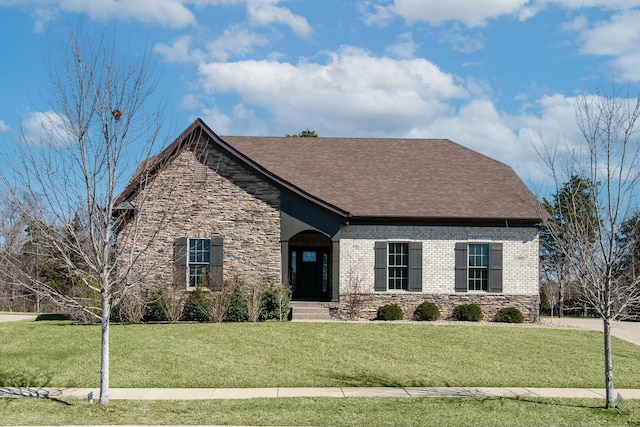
{"x":489,"y":304}
{"x":203,"y":196}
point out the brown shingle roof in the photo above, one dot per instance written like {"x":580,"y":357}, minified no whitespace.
{"x":433,"y":178}
{"x":384,"y":178}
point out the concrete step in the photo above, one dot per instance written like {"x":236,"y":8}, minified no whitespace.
{"x":309,"y":310}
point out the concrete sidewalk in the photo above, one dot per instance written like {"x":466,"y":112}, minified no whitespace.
{"x":340,"y":392}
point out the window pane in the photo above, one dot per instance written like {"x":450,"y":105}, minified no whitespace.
{"x":398,"y":266}
{"x":308,"y":256}
{"x":199,"y":259}
{"x":478,"y":271}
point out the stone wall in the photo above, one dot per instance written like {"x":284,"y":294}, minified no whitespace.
{"x":203,"y":195}
{"x":489,"y":304}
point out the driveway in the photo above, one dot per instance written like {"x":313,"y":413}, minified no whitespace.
{"x":10,"y":317}
{"x":628,"y":331}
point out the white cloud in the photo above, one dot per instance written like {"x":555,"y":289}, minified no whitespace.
{"x":179,"y":50}
{"x":581,"y":4}
{"x":354,"y":89}
{"x":358,"y":94}
{"x":618,"y":35}
{"x":472,"y":13}
{"x":235,"y":41}
{"x":4,"y":127}
{"x":264,"y":12}
{"x":375,"y":14}
{"x":46,"y":128}
{"x":618,"y":38}
{"x":217,"y":120}
{"x":166,"y":13}
{"x":404,"y":48}
{"x":42,"y":17}
{"x":459,"y":41}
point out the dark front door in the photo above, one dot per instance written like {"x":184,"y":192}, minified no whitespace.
{"x":310,"y":273}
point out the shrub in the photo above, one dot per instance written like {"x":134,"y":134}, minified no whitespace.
{"x":238,"y":311}
{"x":275,"y":303}
{"x":131,"y":309}
{"x":389,"y":312}
{"x":509,"y":315}
{"x":118,"y":315}
{"x":467,"y":313}
{"x":427,"y":311}
{"x":220,"y":301}
{"x":255,"y":290}
{"x":196,"y":307}
{"x":157,"y":303}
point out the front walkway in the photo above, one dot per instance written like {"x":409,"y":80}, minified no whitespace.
{"x":251,"y":393}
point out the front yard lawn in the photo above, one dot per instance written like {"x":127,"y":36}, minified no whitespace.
{"x":376,"y":412}
{"x":311,"y":355}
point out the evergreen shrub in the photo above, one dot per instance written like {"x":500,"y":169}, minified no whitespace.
{"x":467,"y":313}
{"x":389,"y":312}
{"x":427,"y":311}
{"x":509,"y":315}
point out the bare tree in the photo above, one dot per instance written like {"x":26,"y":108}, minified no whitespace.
{"x":607,"y":163}
{"x":12,"y":237}
{"x":97,"y":125}
{"x":353,"y":296}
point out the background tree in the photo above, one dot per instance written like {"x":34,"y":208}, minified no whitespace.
{"x":12,"y":238}
{"x":305,"y":134}
{"x":97,"y":125}
{"x":569,"y":208}
{"x":629,"y":264}
{"x":607,"y":162}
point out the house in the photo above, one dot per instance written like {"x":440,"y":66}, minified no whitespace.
{"x":388,"y":220}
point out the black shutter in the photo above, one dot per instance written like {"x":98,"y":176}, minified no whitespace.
{"x":180,"y":253}
{"x":461,"y":284}
{"x":495,"y":262}
{"x":380,"y":280}
{"x":415,"y":266}
{"x":216,"y":277}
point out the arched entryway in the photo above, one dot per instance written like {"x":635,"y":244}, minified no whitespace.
{"x":310,"y":258}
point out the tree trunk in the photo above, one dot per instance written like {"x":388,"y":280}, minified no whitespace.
{"x":608,"y":363}
{"x":561,"y":291}
{"x":104,"y":359}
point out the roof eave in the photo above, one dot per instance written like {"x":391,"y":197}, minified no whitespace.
{"x":446,"y":221}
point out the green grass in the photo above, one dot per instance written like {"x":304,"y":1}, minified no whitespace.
{"x":324,"y":411}
{"x":311,"y":355}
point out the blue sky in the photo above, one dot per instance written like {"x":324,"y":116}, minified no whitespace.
{"x":493,"y":75}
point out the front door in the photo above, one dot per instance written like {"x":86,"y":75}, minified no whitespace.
{"x":310,"y":273}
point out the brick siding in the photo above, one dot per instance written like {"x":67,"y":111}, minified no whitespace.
{"x":520,"y":285}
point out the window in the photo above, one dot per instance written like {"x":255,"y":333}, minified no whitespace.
{"x":398,"y":266}
{"x":194,"y":258}
{"x":199,"y":260}
{"x":478,"y":267}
